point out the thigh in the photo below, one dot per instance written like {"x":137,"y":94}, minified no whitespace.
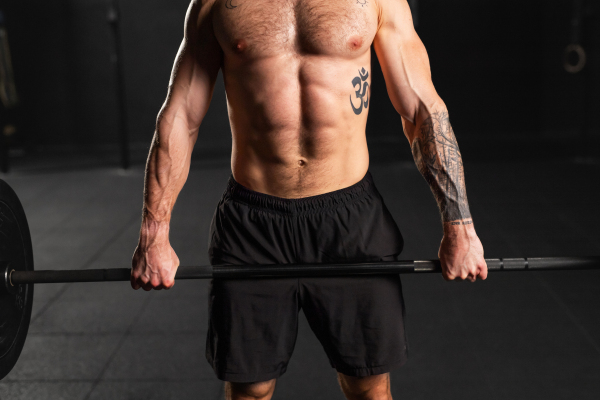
{"x":358,"y":320}
{"x":253,"y":328}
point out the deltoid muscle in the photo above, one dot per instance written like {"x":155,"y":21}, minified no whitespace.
{"x":438,"y":158}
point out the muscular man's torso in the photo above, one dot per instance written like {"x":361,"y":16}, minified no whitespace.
{"x":297,"y":76}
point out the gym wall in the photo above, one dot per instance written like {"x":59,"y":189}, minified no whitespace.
{"x":497,"y":65}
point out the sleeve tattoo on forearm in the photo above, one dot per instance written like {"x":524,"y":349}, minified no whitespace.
{"x":438,"y":158}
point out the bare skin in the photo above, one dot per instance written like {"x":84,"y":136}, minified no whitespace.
{"x":297,"y":77}
{"x":372,"y":387}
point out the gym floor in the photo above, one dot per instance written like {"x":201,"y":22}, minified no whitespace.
{"x":519,"y":335}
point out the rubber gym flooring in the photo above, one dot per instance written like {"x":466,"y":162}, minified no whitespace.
{"x":519,"y":335}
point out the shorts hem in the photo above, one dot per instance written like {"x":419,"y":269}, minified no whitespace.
{"x":249,"y":378}
{"x":368,"y":371}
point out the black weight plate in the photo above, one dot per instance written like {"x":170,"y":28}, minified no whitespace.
{"x":15,"y":302}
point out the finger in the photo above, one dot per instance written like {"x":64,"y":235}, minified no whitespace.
{"x":134,"y":281}
{"x":155,"y":280}
{"x":147,"y":287}
{"x":151,"y":281}
{"x":168,"y":283}
{"x":168,"y":279}
{"x":449,"y":276}
{"x":446,"y":273}
{"x":483,"y":273}
{"x":168,"y":276}
{"x":142,"y":281}
{"x":474,"y":274}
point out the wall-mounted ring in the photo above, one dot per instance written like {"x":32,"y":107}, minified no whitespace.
{"x":581,"y":58}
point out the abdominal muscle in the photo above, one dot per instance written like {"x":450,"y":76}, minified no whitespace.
{"x":295,"y":133}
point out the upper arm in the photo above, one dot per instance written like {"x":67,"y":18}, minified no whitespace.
{"x":195,"y":69}
{"x":404,"y":62}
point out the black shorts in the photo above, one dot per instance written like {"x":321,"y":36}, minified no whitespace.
{"x":253,"y":323}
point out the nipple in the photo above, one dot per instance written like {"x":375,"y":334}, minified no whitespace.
{"x":355,"y":42}
{"x":240,"y":46}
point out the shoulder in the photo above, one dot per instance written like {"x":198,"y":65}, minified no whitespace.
{"x":198,"y":7}
{"x":198,"y":13}
{"x":203,"y":3}
{"x":394,"y":14}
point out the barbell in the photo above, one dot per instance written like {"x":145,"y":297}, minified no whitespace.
{"x":19,"y":276}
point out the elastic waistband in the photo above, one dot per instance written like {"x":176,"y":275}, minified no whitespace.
{"x":321,"y":202}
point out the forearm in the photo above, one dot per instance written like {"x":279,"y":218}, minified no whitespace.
{"x":439,"y":160}
{"x":167,"y":170}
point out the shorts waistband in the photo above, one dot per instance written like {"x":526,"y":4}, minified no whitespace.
{"x":320,"y":202}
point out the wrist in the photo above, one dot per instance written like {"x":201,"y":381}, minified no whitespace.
{"x":464,"y":226}
{"x":155,"y":216}
{"x":153,"y":229}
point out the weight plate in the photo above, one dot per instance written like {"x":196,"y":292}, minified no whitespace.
{"x":15,"y":302}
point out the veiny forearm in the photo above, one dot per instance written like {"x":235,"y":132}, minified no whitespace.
{"x":167,"y":169}
{"x":438,"y":158}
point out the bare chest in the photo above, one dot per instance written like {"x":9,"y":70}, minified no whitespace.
{"x":263,"y":28}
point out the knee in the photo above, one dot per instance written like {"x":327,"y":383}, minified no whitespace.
{"x":250,"y":391}
{"x":375,"y":387}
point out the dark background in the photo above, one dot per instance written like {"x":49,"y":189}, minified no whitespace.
{"x":497,"y":64}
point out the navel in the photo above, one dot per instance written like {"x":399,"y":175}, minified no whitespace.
{"x":301,"y":163}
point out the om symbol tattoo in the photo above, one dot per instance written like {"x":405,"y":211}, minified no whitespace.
{"x":360,"y":95}
{"x":362,"y":3}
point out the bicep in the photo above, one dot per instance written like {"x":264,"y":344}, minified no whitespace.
{"x":194,"y":72}
{"x":404,"y":63}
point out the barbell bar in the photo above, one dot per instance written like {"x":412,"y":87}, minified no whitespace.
{"x":19,"y":276}
{"x":13,"y":278}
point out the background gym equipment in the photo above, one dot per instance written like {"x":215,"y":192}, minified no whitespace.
{"x":15,"y":301}
{"x":18,"y":275}
{"x":113,"y":17}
